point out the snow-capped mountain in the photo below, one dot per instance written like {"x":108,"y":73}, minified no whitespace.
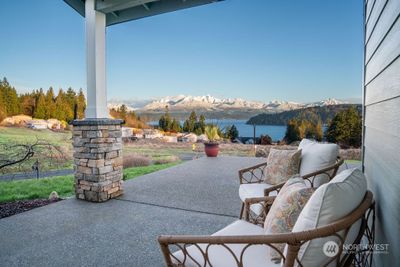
{"x":210,"y":103}
{"x":207,"y":102}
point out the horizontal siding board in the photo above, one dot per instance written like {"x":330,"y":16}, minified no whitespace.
{"x":370,"y":5}
{"x":382,"y":171}
{"x":385,"y":86}
{"x":389,"y":15}
{"x":374,"y":16}
{"x":384,"y":116}
{"x":385,"y":54}
{"x":381,"y":136}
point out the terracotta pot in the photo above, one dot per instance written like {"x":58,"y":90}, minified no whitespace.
{"x":211,"y":149}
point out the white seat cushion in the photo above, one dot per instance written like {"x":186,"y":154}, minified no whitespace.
{"x":316,"y":156}
{"x":252,"y":191}
{"x":255,"y":256}
{"x":329,"y":203}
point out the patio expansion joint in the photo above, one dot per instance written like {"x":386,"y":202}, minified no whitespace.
{"x":177,"y":208}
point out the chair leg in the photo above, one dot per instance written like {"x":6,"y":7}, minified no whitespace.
{"x":241,"y":211}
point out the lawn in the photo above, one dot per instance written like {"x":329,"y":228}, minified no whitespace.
{"x":56,"y":156}
{"x":63,"y":185}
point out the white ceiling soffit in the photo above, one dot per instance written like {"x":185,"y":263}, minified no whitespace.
{"x":118,"y":11}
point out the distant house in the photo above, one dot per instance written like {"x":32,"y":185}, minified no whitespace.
{"x":137,"y":133}
{"x":16,"y":120}
{"x":37,"y":124}
{"x":189,"y":138}
{"x":127,"y":132}
{"x":54,"y":124}
{"x":152,"y":134}
{"x":170,"y":139}
{"x":202,"y":138}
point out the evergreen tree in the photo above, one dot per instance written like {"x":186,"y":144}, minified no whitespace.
{"x":292,"y":131}
{"x":63,"y":110}
{"x":189,"y":125}
{"x":161,"y":123}
{"x":50,"y":105}
{"x":27,"y":103}
{"x":40,"y":106}
{"x":297,"y":129}
{"x":202,"y":123}
{"x":81,"y":101}
{"x":345,"y":128}
{"x":3,"y":113}
{"x":186,"y":127}
{"x":70,"y":97}
{"x":123,"y":111}
{"x":175,"y":126}
{"x":165,"y":122}
{"x":232,"y":133}
{"x":10,"y":99}
{"x":168,"y":120}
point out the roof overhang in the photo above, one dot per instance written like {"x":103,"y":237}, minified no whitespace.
{"x":118,"y":11}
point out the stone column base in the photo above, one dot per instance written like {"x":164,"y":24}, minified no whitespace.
{"x":98,"y":159}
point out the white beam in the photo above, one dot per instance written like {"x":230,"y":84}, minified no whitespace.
{"x":95,"y":62}
{"x":107,"y":6}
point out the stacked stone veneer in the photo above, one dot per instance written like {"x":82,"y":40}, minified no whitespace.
{"x":98,"y":159}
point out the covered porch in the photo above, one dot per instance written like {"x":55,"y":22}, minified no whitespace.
{"x":115,"y":231}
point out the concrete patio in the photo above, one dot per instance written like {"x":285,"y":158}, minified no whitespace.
{"x":196,"y":197}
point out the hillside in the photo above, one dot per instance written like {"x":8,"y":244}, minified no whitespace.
{"x":324,"y":113}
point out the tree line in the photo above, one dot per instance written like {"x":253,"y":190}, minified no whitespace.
{"x":344,"y":129}
{"x":325,"y":114}
{"x":193,"y":124}
{"x":64,"y":106}
{"x":129,"y":116}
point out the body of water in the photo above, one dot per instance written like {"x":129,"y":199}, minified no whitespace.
{"x":277,"y":132}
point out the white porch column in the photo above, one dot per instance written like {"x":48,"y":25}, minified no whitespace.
{"x":95,"y":62}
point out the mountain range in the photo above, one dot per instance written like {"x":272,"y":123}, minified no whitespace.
{"x":207,"y":103}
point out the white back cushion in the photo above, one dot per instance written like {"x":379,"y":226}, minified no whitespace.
{"x":316,"y":156}
{"x":330,"y":202}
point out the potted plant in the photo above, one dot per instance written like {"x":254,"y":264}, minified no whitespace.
{"x":211,"y":147}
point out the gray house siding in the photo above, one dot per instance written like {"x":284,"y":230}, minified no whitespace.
{"x":381,"y":158}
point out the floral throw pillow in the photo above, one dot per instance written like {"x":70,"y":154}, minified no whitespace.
{"x":285,"y":210}
{"x":281,"y":165}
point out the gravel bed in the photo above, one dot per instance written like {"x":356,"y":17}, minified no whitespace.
{"x":10,"y":208}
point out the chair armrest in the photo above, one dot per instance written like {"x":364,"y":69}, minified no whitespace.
{"x":329,"y":171}
{"x":265,"y":202}
{"x":271,"y":189}
{"x":253,"y":174}
{"x":203,"y":243}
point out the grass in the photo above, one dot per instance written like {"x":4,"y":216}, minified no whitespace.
{"x":25,"y":135}
{"x":15,"y":135}
{"x":63,"y":185}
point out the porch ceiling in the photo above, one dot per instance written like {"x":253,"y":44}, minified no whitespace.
{"x":118,"y":11}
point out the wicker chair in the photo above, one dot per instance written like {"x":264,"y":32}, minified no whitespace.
{"x":254,"y":176}
{"x":197,"y":250}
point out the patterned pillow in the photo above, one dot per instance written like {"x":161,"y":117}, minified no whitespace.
{"x":285,"y":210}
{"x":281,"y":165}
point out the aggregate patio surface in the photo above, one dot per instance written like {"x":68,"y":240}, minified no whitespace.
{"x":196,"y":197}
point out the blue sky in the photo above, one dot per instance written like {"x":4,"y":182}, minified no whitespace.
{"x":254,"y":49}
